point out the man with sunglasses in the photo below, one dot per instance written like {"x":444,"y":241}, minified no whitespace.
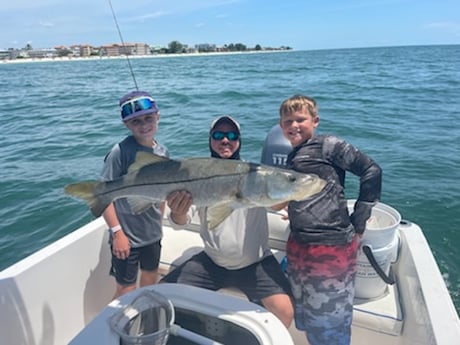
{"x":236,"y":253}
{"x":134,"y":237}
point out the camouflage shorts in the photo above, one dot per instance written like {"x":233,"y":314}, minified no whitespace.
{"x":322,"y":281}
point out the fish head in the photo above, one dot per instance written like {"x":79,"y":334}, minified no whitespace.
{"x":285,"y":185}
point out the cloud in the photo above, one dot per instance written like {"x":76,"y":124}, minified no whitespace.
{"x":199,"y":25}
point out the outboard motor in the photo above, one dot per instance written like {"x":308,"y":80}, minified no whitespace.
{"x":276,"y":148}
{"x":275,"y":152}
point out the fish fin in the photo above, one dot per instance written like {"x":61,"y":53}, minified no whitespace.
{"x":144,"y":158}
{"x":217,"y":214}
{"x":85,"y":190}
{"x":139,"y":205}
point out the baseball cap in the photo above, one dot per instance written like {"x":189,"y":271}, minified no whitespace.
{"x":137,"y":103}
{"x":228,"y":119}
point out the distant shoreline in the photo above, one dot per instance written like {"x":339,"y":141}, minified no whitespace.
{"x":118,"y":57}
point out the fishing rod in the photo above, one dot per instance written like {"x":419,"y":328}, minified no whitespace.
{"x":123,"y":45}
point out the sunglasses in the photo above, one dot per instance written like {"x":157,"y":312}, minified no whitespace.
{"x":219,"y":135}
{"x":134,"y":105}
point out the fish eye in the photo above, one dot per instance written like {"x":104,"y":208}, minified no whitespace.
{"x":292,"y":178}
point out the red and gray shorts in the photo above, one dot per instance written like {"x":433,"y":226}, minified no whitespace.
{"x":322,"y":282}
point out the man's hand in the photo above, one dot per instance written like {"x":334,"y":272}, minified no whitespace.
{"x":179,"y":203}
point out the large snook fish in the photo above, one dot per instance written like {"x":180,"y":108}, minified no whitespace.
{"x":220,"y":184}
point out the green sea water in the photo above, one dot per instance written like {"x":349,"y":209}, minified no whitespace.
{"x":401,"y":105}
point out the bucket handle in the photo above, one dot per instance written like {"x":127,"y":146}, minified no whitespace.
{"x":370,"y":256}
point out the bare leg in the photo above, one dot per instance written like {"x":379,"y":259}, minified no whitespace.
{"x":281,"y":306}
{"x":148,"y":278}
{"x":122,"y":289}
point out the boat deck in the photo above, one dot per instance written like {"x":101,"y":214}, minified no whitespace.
{"x":381,"y":316}
{"x":50,"y":296}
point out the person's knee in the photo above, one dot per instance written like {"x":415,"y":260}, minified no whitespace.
{"x":281,"y":306}
{"x":148,"y":277}
{"x":123,"y":289}
{"x":287,"y":313}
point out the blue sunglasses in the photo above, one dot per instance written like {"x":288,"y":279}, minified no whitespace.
{"x":133,"y":106}
{"x":219,"y":135}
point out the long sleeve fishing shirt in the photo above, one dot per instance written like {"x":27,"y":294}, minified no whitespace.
{"x":324,"y":218}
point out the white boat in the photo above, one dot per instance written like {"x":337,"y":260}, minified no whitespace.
{"x":62,"y":294}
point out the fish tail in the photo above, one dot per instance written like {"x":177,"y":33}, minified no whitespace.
{"x":86,"y":191}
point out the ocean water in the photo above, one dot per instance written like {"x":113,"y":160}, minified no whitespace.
{"x":401,"y":105}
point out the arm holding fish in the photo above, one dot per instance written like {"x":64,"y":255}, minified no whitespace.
{"x":281,"y":207}
{"x":120,"y":242}
{"x":179,"y":203}
{"x":112,"y":169}
{"x":162,"y":210}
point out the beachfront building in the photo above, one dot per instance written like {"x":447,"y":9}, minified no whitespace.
{"x":205,"y":47}
{"x":5,"y":54}
{"x":75,"y":50}
{"x":86,"y":50}
{"x":29,"y":53}
{"x":12,"y":54}
{"x":132,"y":49}
{"x":126,"y":49}
{"x":110,"y":50}
{"x":140,"y":49}
{"x":158,"y":50}
{"x":42,"y":53}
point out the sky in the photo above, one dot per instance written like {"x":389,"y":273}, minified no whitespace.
{"x":299,"y":24}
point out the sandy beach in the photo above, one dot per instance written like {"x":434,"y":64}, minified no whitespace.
{"x":90,"y":58}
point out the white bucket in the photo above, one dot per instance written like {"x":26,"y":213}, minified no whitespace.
{"x":382,"y":238}
{"x":145,"y":321}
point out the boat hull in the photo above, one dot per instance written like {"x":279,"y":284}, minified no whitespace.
{"x":52,"y":295}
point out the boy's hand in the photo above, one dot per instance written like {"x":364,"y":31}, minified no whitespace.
{"x":279,"y":207}
{"x":120,"y":245}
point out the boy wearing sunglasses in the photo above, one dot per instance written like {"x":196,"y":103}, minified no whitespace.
{"x":236,"y":253}
{"x":134,"y":237}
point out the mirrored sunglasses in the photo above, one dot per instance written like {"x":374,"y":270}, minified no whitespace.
{"x":134,"y":105}
{"x":219,"y":135}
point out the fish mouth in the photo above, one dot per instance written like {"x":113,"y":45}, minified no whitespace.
{"x":313,"y":186}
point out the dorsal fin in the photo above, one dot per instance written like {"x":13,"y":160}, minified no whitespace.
{"x":144,"y":158}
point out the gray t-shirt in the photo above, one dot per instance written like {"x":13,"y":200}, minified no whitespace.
{"x":144,"y":228}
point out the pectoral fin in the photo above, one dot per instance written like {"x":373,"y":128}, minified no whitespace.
{"x":217,"y":214}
